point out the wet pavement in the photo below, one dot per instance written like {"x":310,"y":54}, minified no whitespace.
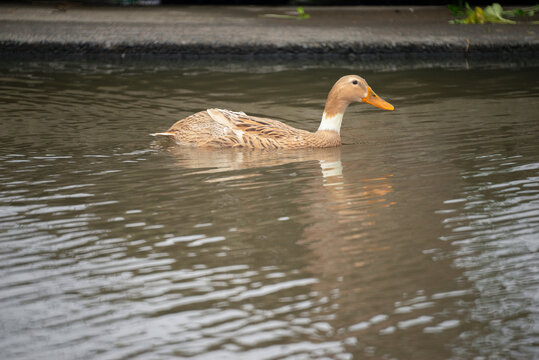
{"x":195,"y":31}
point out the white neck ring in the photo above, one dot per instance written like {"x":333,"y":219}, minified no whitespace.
{"x":332,"y":123}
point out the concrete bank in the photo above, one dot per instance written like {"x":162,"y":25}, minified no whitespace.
{"x":192,"y":32}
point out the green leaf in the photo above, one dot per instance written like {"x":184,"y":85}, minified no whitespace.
{"x":528,"y":11}
{"x":493,"y":14}
{"x":300,"y":15}
{"x":456,"y":10}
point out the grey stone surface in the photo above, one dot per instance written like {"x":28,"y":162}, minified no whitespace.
{"x":191,"y":31}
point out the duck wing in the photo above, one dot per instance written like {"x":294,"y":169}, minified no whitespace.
{"x":252,"y":131}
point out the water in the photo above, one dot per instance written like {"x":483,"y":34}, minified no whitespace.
{"x":416,"y":239}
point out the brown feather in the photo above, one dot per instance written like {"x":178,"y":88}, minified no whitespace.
{"x":240,"y":130}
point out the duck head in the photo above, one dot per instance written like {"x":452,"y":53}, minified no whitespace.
{"x":348,"y":89}
{"x":352,"y":88}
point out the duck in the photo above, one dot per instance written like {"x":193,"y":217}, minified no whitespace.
{"x":219,"y":128}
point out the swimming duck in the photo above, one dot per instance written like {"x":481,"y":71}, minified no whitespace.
{"x":217,"y":128}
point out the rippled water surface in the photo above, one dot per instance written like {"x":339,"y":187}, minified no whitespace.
{"x":417,"y":239}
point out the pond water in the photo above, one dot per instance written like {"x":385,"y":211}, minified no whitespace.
{"x":417,"y":239}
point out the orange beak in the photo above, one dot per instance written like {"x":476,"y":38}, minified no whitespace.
{"x":377,"y":101}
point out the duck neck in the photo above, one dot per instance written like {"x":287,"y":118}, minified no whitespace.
{"x":333,"y":112}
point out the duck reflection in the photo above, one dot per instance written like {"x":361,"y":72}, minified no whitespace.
{"x":336,"y":211}
{"x":338,"y":232}
{"x":225,"y":160}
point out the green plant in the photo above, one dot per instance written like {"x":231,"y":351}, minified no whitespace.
{"x":493,"y":13}
{"x":458,"y":10}
{"x":529,"y":11}
{"x":299,"y":15}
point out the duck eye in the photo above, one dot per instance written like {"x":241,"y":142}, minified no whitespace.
{"x":354,"y":82}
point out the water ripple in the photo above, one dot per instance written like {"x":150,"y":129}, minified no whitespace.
{"x":421,"y":229}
